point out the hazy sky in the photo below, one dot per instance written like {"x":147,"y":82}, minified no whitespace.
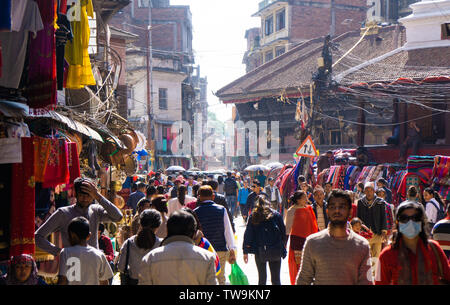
{"x":219,"y":42}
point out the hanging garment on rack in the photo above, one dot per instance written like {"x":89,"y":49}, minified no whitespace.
{"x":62,"y":35}
{"x":80,"y":70}
{"x":74,"y":163}
{"x":5,"y":15}
{"x":92,"y":157}
{"x":41,"y":86}
{"x":23,"y":202}
{"x":57,"y":170}
{"x":14,"y":46}
{"x":42,"y":148}
{"x":5,"y":210}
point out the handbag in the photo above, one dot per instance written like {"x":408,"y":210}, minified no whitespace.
{"x":125,"y":278}
{"x":441,"y":278}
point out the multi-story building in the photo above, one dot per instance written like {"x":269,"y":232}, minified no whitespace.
{"x":388,"y":10}
{"x":286,"y":23}
{"x":174,"y":90}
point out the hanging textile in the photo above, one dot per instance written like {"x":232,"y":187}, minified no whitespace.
{"x":74,"y":163}
{"x":62,"y":35}
{"x":80,"y":70}
{"x":22,"y":202}
{"x":41,"y":89}
{"x":422,"y":166}
{"x":5,"y":210}
{"x":5,"y":15}
{"x":441,"y":176}
{"x":14,"y":44}
{"x":41,"y":153}
{"x":57,"y":170}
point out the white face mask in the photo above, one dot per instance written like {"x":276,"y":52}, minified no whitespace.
{"x":410,"y":229}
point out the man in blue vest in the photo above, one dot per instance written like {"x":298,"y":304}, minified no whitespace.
{"x":216,"y":227}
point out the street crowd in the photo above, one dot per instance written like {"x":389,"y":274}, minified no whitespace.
{"x":183,"y":233}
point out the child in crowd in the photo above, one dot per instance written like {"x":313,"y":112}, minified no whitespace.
{"x":82,"y":264}
{"x":360,"y":228}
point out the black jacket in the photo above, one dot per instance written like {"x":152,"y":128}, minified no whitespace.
{"x":254,"y":235}
{"x":324,"y":208}
{"x":252,"y":197}
{"x":373,"y":216}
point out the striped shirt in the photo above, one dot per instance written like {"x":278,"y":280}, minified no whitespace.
{"x":441,"y":234}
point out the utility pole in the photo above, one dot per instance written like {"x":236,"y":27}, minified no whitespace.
{"x":333,"y":19}
{"x":150,"y":123}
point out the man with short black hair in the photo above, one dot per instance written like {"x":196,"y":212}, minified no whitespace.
{"x":336,"y":255}
{"x":85,"y":192}
{"x":319,"y":206}
{"x":216,"y":227}
{"x":220,"y":200}
{"x":81,"y":264}
{"x":179,"y":261}
{"x":136,"y":196}
{"x":382,"y":183}
{"x":231,"y":189}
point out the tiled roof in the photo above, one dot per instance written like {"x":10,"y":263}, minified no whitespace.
{"x":294,"y":68}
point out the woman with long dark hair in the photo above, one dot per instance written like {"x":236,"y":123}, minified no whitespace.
{"x":433,"y":204}
{"x":137,"y":246}
{"x":300,"y":223}
{"x":180,"y":201}
{"x":412,"y":258}
{"x":265,"y":236}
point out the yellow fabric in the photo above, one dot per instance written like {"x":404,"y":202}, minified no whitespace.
{"x":76,"y":52}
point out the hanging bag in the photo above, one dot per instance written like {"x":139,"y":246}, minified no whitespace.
{"x":237,"y":276}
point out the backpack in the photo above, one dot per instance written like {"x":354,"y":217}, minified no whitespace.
{"x":230,"y":186}
{"x":440,"y":209}
{"x":270,"y":243}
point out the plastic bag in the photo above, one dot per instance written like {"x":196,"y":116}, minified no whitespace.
{"x":237,"y":276}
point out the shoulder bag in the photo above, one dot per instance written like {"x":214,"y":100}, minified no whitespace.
{"x":125,"y":278}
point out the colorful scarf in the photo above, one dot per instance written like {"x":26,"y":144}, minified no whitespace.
{"x":41,"y":153}
{"x":26,"y":259}
{"x":23,"y":202}
{"x":205,"y":244}
{"x":57,"y":171}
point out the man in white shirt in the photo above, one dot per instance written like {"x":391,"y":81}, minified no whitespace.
{"x":82,"y":264}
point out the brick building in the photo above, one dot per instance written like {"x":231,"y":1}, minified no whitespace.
{"x":285,"y":24}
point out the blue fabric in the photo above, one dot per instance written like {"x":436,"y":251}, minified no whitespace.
{"x":134,"y":199}
{"x":211,"y":217}
{"x":243,"y":195}
{"x":5,"y":15}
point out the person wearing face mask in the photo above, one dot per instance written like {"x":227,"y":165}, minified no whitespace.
{"x":412,"y":258}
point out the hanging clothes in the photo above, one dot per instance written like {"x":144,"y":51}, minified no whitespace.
{"x":74,"y":163}
{"x":57,"y":170}
{"x":42,"y":148}
{"x":76,"y":52}
{"x":62,"y":35}
{"x":5,"y":15}
{"x":14,"y":44}
{"x":41,"y":86}
{"x":23,"y":202}
{"x":5,"y":210}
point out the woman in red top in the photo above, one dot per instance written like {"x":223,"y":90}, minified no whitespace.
{"x":412,"y":259}
{"x":300,"y":223}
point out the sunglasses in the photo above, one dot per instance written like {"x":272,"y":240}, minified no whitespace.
{"x":405,"y":218}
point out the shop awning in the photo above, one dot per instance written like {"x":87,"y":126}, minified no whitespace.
{"x":13,"y":109}
{"x":72,"y":124}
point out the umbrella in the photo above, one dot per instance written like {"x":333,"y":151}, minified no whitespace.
{"x":255,"y":168}
{"x":194,"y":169}
{"x":175,"y":168}
{"x":274,"y":165}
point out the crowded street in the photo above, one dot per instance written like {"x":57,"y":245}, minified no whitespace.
{"x":206,"y":146}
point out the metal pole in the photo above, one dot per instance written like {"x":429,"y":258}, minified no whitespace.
{"x":333,"y":20}
{"x":150,"y":84}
